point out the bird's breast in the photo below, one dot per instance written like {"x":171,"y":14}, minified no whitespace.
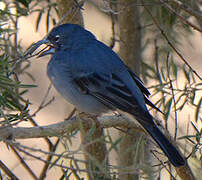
{"x":62,"y":80}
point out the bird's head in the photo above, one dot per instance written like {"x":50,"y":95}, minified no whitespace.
{"x":63,"y":37}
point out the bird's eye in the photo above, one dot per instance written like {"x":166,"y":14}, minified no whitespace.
{"x":57,"y":37}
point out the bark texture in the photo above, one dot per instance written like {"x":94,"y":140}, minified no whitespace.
{"x":95,"y":150}
{"x":130,"y":52}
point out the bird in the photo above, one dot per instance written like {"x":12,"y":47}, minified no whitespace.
{"x":92,"y":77}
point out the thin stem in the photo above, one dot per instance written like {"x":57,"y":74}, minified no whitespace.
{"x":186,"y":8}
{"x":181,"y":17}
{"x":24,"y":164}
{"x":7,"y":171}
{"x":169,"y":42}
{"x":173,"y":96}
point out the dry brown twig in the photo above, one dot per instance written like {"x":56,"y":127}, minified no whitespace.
{"x":7,"y":171}
{"x":72,"y":124}
{"x":63,"y":127}
{"x":184,"y":20}
{"x":169,"y":42}
{"x":184,"y":172}
{"x":186,"y":8}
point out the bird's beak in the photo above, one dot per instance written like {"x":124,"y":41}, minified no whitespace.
{"x":49,"y":49}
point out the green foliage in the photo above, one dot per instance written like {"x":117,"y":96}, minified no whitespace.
{"x":48,"y":10}
{"x":13,"y":107}
{"x":175,"y":85}
{"x":173,"y":96}
{"x":195,"y":140}
{"x":11,"y":95}
{"x":169,"y":71}
{"x":24,"y":2}
{"x":12,"y":62}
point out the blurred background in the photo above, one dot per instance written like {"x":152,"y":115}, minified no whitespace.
{"x":33,"y":19}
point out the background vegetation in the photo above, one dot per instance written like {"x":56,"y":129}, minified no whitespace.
{"x":150,"y":37}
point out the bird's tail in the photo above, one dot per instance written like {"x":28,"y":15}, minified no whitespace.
{"x":169,"y":150}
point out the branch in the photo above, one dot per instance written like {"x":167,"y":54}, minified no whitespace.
{"x":169,"y":42}
{"x":197,"y":14}
{"x":184,"y":20}
{"x":7,"y":171}
{"x":67,"y":126}
{"x":23,"y":163}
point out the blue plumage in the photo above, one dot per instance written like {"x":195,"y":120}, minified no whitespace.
{"x":94,"y":79}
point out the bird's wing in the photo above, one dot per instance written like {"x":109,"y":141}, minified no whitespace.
{"x":112,"y":91}
{"x":144,"y":90}
{"x":139,"y":83}
{"x":108,"y":89}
